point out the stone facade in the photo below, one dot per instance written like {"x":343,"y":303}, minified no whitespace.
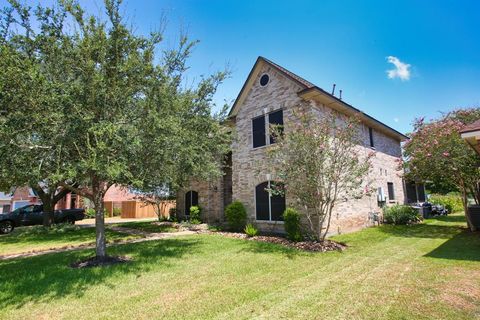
{"x":249,"y":167}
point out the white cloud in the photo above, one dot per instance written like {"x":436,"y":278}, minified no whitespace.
{"x":401,"y":70}
{"x":396,"y":119}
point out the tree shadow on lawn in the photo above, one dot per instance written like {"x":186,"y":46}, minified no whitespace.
{"x":47,"y":277}
{"x":422,"y":231}
{"x":458,"y":218}
{"x":463,"y":246}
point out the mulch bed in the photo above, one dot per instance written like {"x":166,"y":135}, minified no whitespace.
{"x":311,"y":246}
{"x":94,"y":262}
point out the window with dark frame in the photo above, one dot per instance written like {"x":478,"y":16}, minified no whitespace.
{"x":191,"y":199}
{"x":370,"y":135}
{"x":275,"y":119}
{"x":391,"y":191}
{"x":269,"y":207}
{"x":258,"y":127}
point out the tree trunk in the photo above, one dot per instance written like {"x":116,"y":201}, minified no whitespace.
{"x":101,"y":243}
{"x":48,"y":212}
{"x":465,"y":208}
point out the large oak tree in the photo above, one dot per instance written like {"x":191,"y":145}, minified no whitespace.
{"x":128,"y":116}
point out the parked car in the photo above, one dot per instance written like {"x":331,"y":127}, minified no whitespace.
{"x":33,"y":215}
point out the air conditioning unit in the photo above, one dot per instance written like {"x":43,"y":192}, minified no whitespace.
{"x":381,"y":197}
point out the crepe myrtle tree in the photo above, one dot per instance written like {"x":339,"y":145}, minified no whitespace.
{"x":435,"y":152}
{"x":32,"y":94}
{"x":128,"y":117}
{"x":319,"y":162}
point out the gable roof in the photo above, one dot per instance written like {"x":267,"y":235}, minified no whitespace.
{"x":309,"y":91}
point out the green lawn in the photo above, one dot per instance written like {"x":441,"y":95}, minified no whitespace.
{"x":27,"y":239}
{"x":429,"y":271}
{"x":148,"y":226}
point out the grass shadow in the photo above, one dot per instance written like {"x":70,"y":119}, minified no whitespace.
{"x":422,"y":231}
{"x":463,"y":246}
{"x":47,"y":277}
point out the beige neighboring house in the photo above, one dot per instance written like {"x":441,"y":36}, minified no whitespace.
{"x":268,"y":96}
{"x":471,"y":134}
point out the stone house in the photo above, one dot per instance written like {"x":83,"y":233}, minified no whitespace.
{"x":268,"y":96}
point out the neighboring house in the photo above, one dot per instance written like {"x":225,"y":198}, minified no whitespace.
{"x":114,"y":198}
{"x":268,"y":96}
{"x":23,"y":196}
{"x":5,"y":202}
{"x":471,"y":134}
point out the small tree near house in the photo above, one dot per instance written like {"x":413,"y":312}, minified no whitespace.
{"x":320,"y":163}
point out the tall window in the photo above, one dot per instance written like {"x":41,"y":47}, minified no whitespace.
{"x":391,"y":191}
{"x":276,"y":119}
{"x":260,"y":129}
{"x":269,"y":207}
{"x":370,"y":135}
{"x":258,"y":125}
{"x":191,"y":199}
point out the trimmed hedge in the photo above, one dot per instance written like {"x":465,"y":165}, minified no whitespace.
{"x":291,"y":219}
{"x":195,"y":214}
{"x":236,"y":216}
{"x":401,"y":214}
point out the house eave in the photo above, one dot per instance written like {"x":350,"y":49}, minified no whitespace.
{"x":472,"y":138}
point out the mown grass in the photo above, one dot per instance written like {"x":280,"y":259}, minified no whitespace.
{"x":28,"y":239}
{"x":427,"y":271}
{"x":147,"y":226}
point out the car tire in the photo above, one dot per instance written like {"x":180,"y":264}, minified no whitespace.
{"x":6,"y":227}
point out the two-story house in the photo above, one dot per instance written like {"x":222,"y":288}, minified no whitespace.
{"x":268,"y":96}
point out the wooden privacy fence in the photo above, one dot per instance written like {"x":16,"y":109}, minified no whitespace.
{"x":138,"y":209}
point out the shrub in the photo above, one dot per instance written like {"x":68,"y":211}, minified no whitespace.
{"x":236,"y":216}
{"x":291,"y":218}
{"x":401,"y":214}
{"x":195,"y":215}
{"x":250,"y":230}
{"x":90,"y":213}
{"x":452,"y":202}
{"x":172,"y":212}
{"x":117,"y":212}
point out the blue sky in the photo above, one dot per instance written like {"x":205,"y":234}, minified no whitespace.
{"x":435,"y":44}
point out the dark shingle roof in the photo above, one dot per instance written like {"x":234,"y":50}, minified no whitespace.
{"x":290,"y":74}
{"x":471,"y":127}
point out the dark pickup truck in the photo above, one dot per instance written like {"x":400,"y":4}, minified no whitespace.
{"x":33,"y":215}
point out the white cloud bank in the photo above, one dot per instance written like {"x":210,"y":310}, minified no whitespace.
{"x":401,"y":70}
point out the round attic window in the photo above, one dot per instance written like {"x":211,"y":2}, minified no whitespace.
{"x":264,"y":80}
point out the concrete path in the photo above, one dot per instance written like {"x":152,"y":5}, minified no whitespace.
{"x":147,"y":236}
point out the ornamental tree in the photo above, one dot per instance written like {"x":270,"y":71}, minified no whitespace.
{"x":320,"y":163}
{"x":127,"y":116}
{"x":436,"y":152}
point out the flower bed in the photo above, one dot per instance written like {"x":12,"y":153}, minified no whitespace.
{"x":312,"y":246}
